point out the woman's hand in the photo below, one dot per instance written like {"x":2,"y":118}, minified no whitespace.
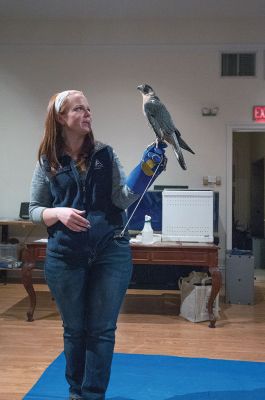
{"x":73,"y":219}
{"x":152,"y":164}
{"x":70,"y":217}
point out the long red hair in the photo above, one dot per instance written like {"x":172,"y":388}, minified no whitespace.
{"x":52,"y":145}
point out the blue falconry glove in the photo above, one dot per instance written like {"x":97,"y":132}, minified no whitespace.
{"x":152,"y":164}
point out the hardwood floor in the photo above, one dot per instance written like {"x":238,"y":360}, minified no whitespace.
{"x":149,"y":323}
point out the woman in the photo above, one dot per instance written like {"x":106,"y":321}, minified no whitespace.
{"x":80,"y":193}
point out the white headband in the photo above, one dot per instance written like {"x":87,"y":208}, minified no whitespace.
{"x":60,"y":99}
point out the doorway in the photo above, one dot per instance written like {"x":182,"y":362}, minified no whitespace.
{"x":248,"y":188}
{"x":245,"y":183}
{"x":257,"y":198}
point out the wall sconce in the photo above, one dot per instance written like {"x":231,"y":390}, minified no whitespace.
{"x":210,"y":112}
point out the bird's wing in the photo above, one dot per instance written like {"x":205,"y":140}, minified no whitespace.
{"x":173,"y":140}
{"x":164,"y":128}
{"x":179,"y":155}
{"x":184,"y":145}
{"x":150,"y":112}
{"x":170,"y":132}
{"x":163,"y":117}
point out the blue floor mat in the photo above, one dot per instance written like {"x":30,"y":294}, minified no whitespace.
{"x":155,"y":377}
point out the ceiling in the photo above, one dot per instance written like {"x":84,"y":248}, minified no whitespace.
{"x":144,"y":9}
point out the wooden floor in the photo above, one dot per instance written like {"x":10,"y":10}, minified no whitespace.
{"x":149,"y":324}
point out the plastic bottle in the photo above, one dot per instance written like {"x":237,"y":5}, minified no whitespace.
{"x":147,"y":232}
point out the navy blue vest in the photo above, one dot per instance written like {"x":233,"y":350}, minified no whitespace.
{"x":91,"y":193}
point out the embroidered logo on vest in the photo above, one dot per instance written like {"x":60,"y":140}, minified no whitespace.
{"x":98,"y":164}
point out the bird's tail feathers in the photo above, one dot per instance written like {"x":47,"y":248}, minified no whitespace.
{"x":184,"y":145}
{"x":180,"y":158}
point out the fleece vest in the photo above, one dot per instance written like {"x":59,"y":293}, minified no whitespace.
{"x":90,"y":192}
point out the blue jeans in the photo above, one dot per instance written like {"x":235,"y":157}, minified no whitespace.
{"x":89,"y":296}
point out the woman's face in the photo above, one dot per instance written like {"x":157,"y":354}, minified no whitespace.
{"x":77,"y":115}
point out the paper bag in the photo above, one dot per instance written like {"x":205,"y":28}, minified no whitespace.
{"x":195,"y":291}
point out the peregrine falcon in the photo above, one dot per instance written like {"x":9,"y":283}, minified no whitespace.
{"x":162,"y":123}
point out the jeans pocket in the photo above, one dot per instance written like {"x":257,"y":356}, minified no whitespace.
{"x":53,"y":271}
{"x":121,"y":241}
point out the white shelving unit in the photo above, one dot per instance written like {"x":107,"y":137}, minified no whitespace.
{"x":187,"y":215}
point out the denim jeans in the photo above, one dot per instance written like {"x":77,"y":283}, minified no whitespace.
{"x":89,"y":296}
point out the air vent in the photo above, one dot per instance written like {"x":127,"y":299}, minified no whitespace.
{"x":238,"y":64}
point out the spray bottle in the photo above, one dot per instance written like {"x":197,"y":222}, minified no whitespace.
{"x":147,"y":232}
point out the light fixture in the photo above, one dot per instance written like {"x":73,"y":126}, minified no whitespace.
{"x":211,"y":180}
{"x":209,"y":112}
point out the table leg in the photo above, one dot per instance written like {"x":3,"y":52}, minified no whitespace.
{"x":216,"y":286}
{"x":26,"y":276}
{"x":4,"y":234}
{"x":3,"y":277}
{"x":4,"y":239}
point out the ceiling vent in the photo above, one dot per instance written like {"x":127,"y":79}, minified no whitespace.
{"x":238,"y":64}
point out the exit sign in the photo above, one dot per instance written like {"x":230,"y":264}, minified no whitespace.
{"x":259,"y":113}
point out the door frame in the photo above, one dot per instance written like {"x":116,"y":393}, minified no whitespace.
{"x":241,"y":128}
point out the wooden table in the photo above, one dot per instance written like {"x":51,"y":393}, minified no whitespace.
{"x":167,"y":253}
{"x":5,"y":223}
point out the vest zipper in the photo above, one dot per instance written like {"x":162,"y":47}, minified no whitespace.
{"x":85,"y":178}
{"x":84,"y":192}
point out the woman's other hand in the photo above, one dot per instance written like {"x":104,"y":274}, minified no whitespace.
{"x":70,"y":217}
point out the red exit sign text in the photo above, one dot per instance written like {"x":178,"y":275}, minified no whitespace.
{"x":259,"y":113}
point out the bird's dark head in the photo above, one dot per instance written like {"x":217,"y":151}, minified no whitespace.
{"x":146,"y":89}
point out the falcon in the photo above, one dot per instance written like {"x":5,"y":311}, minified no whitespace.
{"x":162,"y":123}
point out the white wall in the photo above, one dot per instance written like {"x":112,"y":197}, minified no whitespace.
{"x":107,"y":60}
